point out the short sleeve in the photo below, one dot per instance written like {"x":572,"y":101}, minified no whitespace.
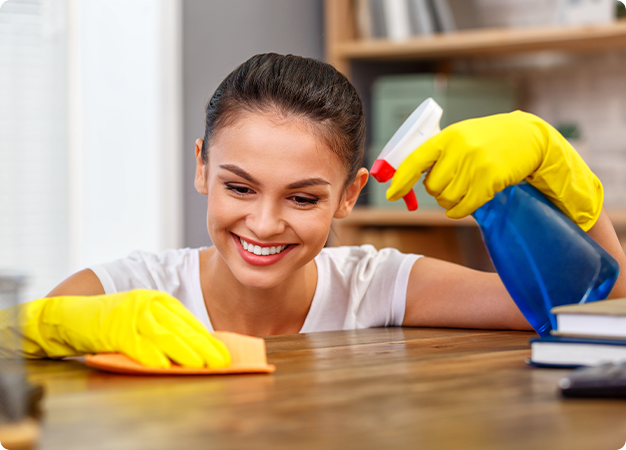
{"x":175,"y":271}
{"x":139,"y":270}
{"x":359,"y":287}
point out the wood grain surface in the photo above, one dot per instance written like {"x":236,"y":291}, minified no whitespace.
{"x":396,"y":388}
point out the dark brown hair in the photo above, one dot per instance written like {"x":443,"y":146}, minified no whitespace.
{"x":293,"y":86}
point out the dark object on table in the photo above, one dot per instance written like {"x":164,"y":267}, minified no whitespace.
{"x":606,"y":381}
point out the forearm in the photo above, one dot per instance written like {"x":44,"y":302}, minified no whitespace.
{"x":442,"y":294}
{"x":604,"y":234}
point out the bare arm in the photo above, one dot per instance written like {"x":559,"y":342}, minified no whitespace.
{"x":442,"y":294}
{"x":84,"y":282}
{"x":604,"y":234}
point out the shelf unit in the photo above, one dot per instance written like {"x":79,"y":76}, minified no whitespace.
{"x":342,"y":46}
{"x":431,"y":232}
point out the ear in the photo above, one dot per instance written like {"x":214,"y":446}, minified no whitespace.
{"x":200,"y":181}
{"x":351,"y":194}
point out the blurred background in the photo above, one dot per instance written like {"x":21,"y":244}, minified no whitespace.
{"x":101,"y":102}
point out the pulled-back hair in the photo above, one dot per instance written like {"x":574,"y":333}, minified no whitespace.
{"x":293,"y":86}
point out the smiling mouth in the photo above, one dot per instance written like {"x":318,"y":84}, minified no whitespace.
{"x":261,"y":251}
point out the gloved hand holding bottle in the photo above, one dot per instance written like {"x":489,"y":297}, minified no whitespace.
{"x":474,"y":159}
{"x":150,"y":327}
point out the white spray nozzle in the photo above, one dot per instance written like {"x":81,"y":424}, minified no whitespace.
{"x":420,"y":126}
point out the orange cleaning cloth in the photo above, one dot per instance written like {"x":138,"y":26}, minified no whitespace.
{"x":247,"y":354}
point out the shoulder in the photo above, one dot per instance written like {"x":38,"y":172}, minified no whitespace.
{"x":363,"y":264}
{"x":362,"y":255}
{"x":171,"y":256}
{"x":146,"y":270}
{"x":166,"y":260}
{"x":348,"y":253}
{"x":360,"y":287}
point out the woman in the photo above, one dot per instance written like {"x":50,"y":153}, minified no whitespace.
{"x":280,"y":159}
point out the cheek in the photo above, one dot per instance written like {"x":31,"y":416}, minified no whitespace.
{"x":221,"y":209}
{"x":312,"y":227}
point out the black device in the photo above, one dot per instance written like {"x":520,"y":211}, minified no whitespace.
{"x":605,"y":380}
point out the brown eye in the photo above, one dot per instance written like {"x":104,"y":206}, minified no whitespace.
{"x":240,"y":190}
{"x":305,"y":201}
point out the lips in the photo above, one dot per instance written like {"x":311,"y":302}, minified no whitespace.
{"x":261,"y":255}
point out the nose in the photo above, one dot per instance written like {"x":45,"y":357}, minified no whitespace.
{"x":266,"y":220}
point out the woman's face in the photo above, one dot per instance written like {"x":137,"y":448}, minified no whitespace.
{"x":273,"y":189}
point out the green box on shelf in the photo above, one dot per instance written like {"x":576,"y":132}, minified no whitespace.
{"x":395,"y":97}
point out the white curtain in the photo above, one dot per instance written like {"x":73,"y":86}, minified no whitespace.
{"x":33,"y":143}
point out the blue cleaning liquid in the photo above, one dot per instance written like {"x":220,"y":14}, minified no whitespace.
{"x":543,"y":258}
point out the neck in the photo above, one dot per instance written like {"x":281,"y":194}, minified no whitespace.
{"x":255,"y":312}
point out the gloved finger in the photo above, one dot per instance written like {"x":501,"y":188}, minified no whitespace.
{"x":222,"y":350}
{"x":177,"y":309}
{"x":166,"y":341}
{"x":213,"y":352}
{"x":411,"y":169}
{"x":474,"y":198}
{"x":467,"y":205}
{"x":144,"y":352}
{"x":192,"y":322}
{"x":454,"y":191}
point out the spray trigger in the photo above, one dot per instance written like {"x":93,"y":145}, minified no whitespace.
{"x":420,"y":126}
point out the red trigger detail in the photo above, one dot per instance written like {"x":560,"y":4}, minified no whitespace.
{"x":411,"y":200}
{"x":382,"y":170}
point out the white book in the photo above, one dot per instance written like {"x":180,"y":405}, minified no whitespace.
{"x":586,"y":12}
{"x":397,"y":19}
{"x":566,"y":351}
{"x":422,"y":18}
{"x":603,"y":319}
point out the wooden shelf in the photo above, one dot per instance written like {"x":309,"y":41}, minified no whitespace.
{"x":489,"y":42}
{"x":342,"y":46}
{"x":379,"y":217}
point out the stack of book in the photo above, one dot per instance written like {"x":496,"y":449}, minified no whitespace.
{"x":587,"y":334}
{"x":400,"y":19}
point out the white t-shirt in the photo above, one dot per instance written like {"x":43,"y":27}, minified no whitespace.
{"x":357,"y":287}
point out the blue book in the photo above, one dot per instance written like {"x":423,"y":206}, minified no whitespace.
{"x":562,"y":351}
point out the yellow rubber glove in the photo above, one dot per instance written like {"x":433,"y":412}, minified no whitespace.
{"x":475,"y":159}
{"x":150,"y":327}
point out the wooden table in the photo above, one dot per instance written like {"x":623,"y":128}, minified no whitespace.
{"x":394,"y":388}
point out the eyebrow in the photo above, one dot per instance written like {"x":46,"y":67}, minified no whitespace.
{"x":296,"y":185}
{"x":240,"y":172}
{"x":308,"y":182}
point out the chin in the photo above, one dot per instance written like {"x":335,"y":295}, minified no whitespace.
{"x":260,"y":279}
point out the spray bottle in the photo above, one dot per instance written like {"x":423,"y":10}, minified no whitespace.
{"x":543,"y":258}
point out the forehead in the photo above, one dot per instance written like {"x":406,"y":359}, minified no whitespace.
{"x":266,"y":142}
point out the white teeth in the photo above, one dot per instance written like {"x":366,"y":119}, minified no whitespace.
{"x":258,"y":250}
